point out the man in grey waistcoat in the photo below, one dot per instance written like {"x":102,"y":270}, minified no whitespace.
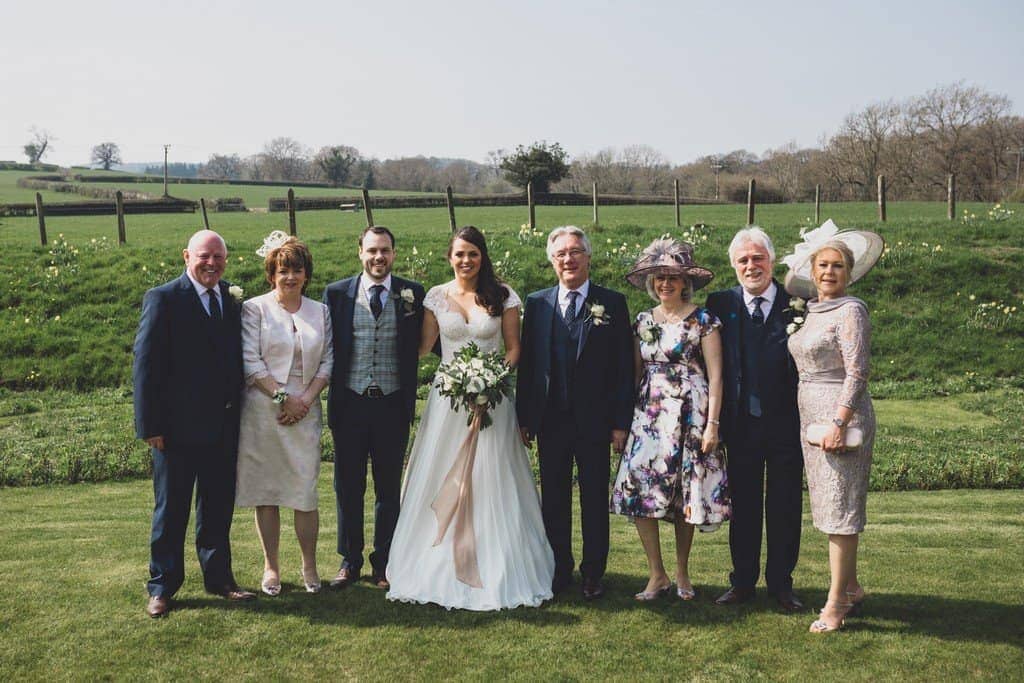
{"x":375,"y":319}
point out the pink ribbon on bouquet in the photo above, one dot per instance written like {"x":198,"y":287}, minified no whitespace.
{"x":454,"y":501}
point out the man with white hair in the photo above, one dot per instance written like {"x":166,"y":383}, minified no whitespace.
{"x":760,"y":423}
{"x":188,"y":382}
{"x":575,"y":394}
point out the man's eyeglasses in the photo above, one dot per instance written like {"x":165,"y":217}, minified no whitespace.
{"x":573,"y":253}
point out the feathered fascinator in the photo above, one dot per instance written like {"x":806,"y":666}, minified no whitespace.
{"x":866,"y":246}
{"x":666,"y":256}
{"x":271,"y":242}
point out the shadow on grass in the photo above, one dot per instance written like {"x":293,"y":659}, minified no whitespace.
{"x":364,"y":606}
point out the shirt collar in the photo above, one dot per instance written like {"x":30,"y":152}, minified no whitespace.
{"x":563,"y":293}
{"x":365,"y":283}
{"x":201,"y":288}
{"x":768,"y":295}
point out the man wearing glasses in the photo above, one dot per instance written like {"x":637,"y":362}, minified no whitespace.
{"x":574,"y":394}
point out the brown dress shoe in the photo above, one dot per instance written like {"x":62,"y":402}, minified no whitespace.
{"x":233,"y":593}
{"x":380,"y":581}
{"x":735,"y":596}
{"x":158,"y":606}
{"x":592,"y":589}
{"x":344,"y":577}
{"x":789,"y":602}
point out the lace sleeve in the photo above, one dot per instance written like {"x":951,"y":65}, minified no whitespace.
{"x":513,"y":300}
{"x":434,"y":300}
{"x":855,"y":347}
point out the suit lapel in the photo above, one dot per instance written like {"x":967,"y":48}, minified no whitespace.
{"x":588,"y":319}
{"x":348,"y":307}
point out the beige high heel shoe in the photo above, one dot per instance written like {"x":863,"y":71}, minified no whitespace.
{"x":820,"y":625}
{"x":856,"y":598}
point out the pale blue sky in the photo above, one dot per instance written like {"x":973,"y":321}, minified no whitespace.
{"x":459,"y":78}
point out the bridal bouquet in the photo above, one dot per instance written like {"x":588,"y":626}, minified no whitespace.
{"x":474,"y":379}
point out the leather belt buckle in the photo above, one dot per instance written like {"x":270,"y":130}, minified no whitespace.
{"x":373,"y":391}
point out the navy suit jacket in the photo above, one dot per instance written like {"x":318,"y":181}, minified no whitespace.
{"x":602,"y":388}
{"x":188,"y":368}
{"x":340,"y":298}
{"x":728,"y":306}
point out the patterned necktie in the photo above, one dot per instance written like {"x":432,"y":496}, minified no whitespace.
{"x":376,"y":306}
{"x":570,"y":310}
{"x":758,"y":314}
{"x":214,"y":305}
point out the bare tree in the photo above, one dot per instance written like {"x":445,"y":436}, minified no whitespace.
{"x":106,"y":154}
{"x":284,"y":158}
{"x":39,"y":145}
{"x":228,"y":166}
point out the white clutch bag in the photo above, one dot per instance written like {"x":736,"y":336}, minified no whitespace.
{"x":816,"y":432}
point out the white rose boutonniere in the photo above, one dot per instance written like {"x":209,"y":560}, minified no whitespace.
{"x":236,"y":293}
{"x":597,"y":314}
{"x":649,"y":331}
{"x":796,"y":305}
{"x":408,"y":300}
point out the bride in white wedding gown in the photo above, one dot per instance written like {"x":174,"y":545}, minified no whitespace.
{"x":514,"y":559}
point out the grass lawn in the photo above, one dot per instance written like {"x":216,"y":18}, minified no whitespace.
{"x":940,"y":567}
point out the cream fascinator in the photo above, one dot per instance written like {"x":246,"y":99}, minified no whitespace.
{"x":271,"y":242}
{"x":866,"y":246}
{"x":668,"y":256}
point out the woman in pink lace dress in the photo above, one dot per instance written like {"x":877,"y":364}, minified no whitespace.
{"x":831,"y":349}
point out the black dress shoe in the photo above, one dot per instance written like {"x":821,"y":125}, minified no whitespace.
{"x":231,"y":592}
{"x":789,"y":602}
{"x":735,"y":596}
{"x":592,"y":589}
{"x":158,"y":606}
{"x":345,"y":576}
{"x":380,"y":581}
{"x":560,"y":583}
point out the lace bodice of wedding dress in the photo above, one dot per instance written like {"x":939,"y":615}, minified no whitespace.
{"x":457,"y":331}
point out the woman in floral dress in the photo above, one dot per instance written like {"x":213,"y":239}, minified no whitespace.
{"x":672,"y":468}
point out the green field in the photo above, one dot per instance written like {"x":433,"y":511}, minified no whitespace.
{"x":943,"y":579}
{"x":947,"y":359}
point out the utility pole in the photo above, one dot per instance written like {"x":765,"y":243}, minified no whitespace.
{"x":166,"y":147}
{"x":717,"y":167}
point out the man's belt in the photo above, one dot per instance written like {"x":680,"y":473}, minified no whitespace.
{"x":373,"y":391}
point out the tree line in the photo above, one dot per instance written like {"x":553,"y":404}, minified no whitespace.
{"x":916,"y":143}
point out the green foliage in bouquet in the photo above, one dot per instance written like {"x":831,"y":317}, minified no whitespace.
{"x":475,"y":380}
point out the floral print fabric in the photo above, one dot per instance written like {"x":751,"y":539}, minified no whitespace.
{"x":662,"y":473}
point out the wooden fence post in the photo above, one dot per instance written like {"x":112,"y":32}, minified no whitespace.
{"x":119,"y":205}
{"x":451,"y":208}
{"x":206,"y":219}
{"x":529,"y":202}
{"x":367,"y":209}
{"x":817,"y":204}
{"x":595,"y":202}
{"x":675,"y":189}
{"x":881,"y":198}
{"x":42,"y":219}
{"x":291,"y":212}
{"x":751,"y":188}
{"x":951,"y":197}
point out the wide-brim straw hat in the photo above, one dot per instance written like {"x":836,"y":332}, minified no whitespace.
{"x":865,"y":245}
{"x":667,"y":256}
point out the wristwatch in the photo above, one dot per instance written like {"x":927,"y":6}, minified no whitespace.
{"x":839,"y":422}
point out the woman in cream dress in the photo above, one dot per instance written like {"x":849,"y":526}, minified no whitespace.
{"x":286,"y":347}
{"x":832,"y":350}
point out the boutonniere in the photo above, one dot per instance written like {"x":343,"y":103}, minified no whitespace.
{"x":649,"y":331}
{"x":236,"y":293}
{"x":799,"y":307}
{"x":408,"y":300}
{"x":598,"y":315}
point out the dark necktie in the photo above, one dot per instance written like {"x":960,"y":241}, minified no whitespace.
{"x":214,"y":305}
{"x":758,"y":315}
{"x":376,"y":306}
{"x":570,"y":310}
{"x":754,"y":386}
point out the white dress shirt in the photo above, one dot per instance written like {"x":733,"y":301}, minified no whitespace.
{"x":563,"y":297}
{"x":769,"y":299}
{"x":365,"y":283}
{"x":204,"y":295}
